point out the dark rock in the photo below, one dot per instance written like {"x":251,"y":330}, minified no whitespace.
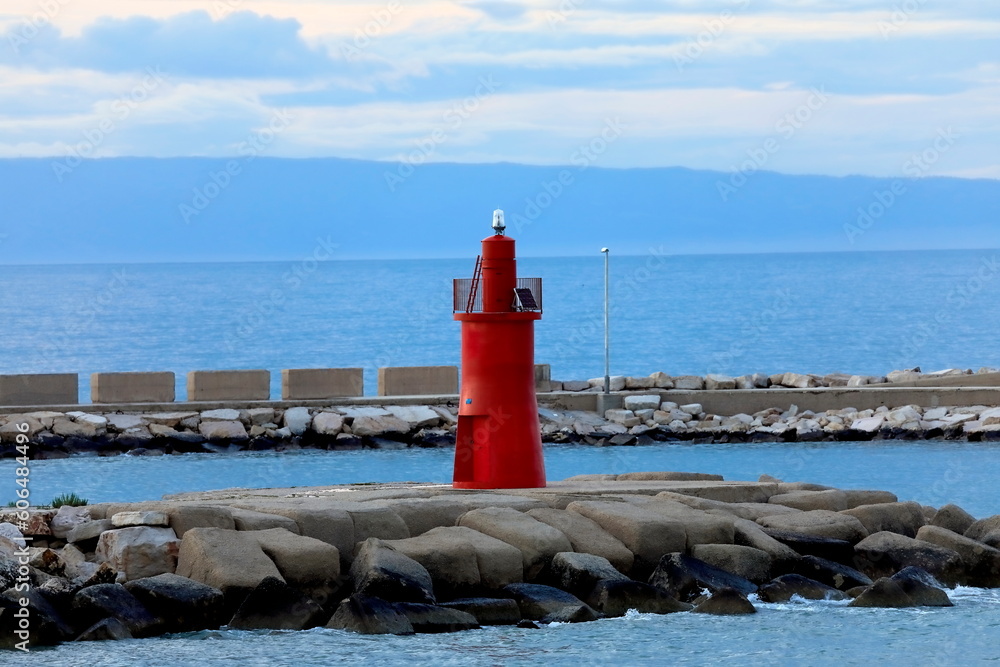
{"x":432,"y":619}
{"x":684,"y":577}
{"x":784,"y":587}
{"x":856,"y":591}
{"x":101,"y":601}
{"x":578,"y":573}
{"x":622,"y":440}
{"x":183,"y":604}
{"x":488,"y":611}
{"x":883,"y":554}
{"x":105,"y":630}
{"x":105,"y":574}
{"x":548,"y":604}
{"x":262,"y":443}
{"x":185,"y":442}
{"x":883,"y":593}
{"x":614,"y":597}
{"x":346,"y":442}
{"x":980,"y":529}
{"x":381,"y":571}
{"x":46,"y":625}
{"x":923,"y":589}
{"x":839,"y":551}
{"x":529,"y":625}
{"x":726,"y":602}
{"x":274,"y":605}
{"x":370,"y":616}
{"x":830,"y":573}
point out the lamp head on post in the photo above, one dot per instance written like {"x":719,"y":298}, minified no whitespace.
{"x":498,"y":224}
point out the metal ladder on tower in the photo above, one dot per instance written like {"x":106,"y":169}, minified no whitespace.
{"x":477,"y":275}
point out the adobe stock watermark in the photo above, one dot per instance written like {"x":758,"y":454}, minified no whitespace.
{"x":218,"y":181}
{"x":301,"y":271}
{"x":582,"y":158}
{"x":121,"y":109}
{"x":452,"y":119}
{"x":565,"y":10}
{"x":32,"y":25}
{"x":785,"y":128}
{"x":365,"y":35}
{"x":713,"y":29}
{"x":22,"y":479}
{"x":901,"y":15}
{"x":223,"y":8}
{"x":916,"y":166}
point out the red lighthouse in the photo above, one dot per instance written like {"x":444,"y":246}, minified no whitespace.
{"x":499,"y":443}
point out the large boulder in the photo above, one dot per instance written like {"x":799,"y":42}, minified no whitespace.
{"x":244,"y":519}
{"x":185,"y":517}
{"x":462,"y":561}
{"x":423,"y":514}
{"x":139,"y":551}
{"x":488,"y":611}
{"x":685,"y":577}
{"x":839,"y":576}
{"x":749,"y":534}
{"x":818,"y":523}
{"x":832,"y":499}
{"x":783,"y":588}
{"x":381,"y":571}
{"x":746,"y":562}
{"x":548,"y":604}
{"x":883,"y":593}
{"x":922,"y":588}
{"x":647,"y":534}
{"x":274,"y":605}
{"x":370,"y":616}
{"x":903,"y":518}
{"x":537,"y":541}
{"x":376,"y":521}
{"x":331,"y":525}
{"x":101,"y":601}
{"x":182,"y":604}
{"x":67,"y":518}
{"x":228,"y":560}
{"x":579,"y":573}
{"x":310,"y":565}
{"x":980,"y":529}
{"x":726,"y":602}
{"x":840,"y":551}
{"x":883,"y":554}
{"x":615,"y":597}
{"x":428,"y":618}
{"x":953,"y":518}
{"x":587,"y":536}
{"x":982,"y":562}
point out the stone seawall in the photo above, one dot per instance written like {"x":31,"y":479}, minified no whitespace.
{"x":418,"y":558}
{"x":642,"y":419}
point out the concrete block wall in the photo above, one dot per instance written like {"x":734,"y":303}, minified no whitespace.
{"x":252,"y":385}
{"x":319,"y":383}
{"x":132,"y":387}
{"x":45,"y":389}
{"x":417,"y":380}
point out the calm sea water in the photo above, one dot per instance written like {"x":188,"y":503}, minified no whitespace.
{"x":866,"y":313}
{"x":820,"y":313}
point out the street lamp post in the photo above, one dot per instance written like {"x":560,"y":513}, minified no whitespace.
{"x":607,"y":327}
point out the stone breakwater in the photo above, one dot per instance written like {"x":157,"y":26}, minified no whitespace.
{"x":419,"y":558}
{"x":790,"y":380}
{"x":643,"y":419}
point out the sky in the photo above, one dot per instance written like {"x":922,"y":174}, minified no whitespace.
{"x":837,"y":87}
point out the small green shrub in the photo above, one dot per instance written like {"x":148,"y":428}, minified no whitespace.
{"x":70,"y":499}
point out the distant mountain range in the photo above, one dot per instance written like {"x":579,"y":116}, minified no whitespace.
{"x":257,"y":208}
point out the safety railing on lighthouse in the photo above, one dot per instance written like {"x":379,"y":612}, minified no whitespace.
{"x":468,"y":298}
